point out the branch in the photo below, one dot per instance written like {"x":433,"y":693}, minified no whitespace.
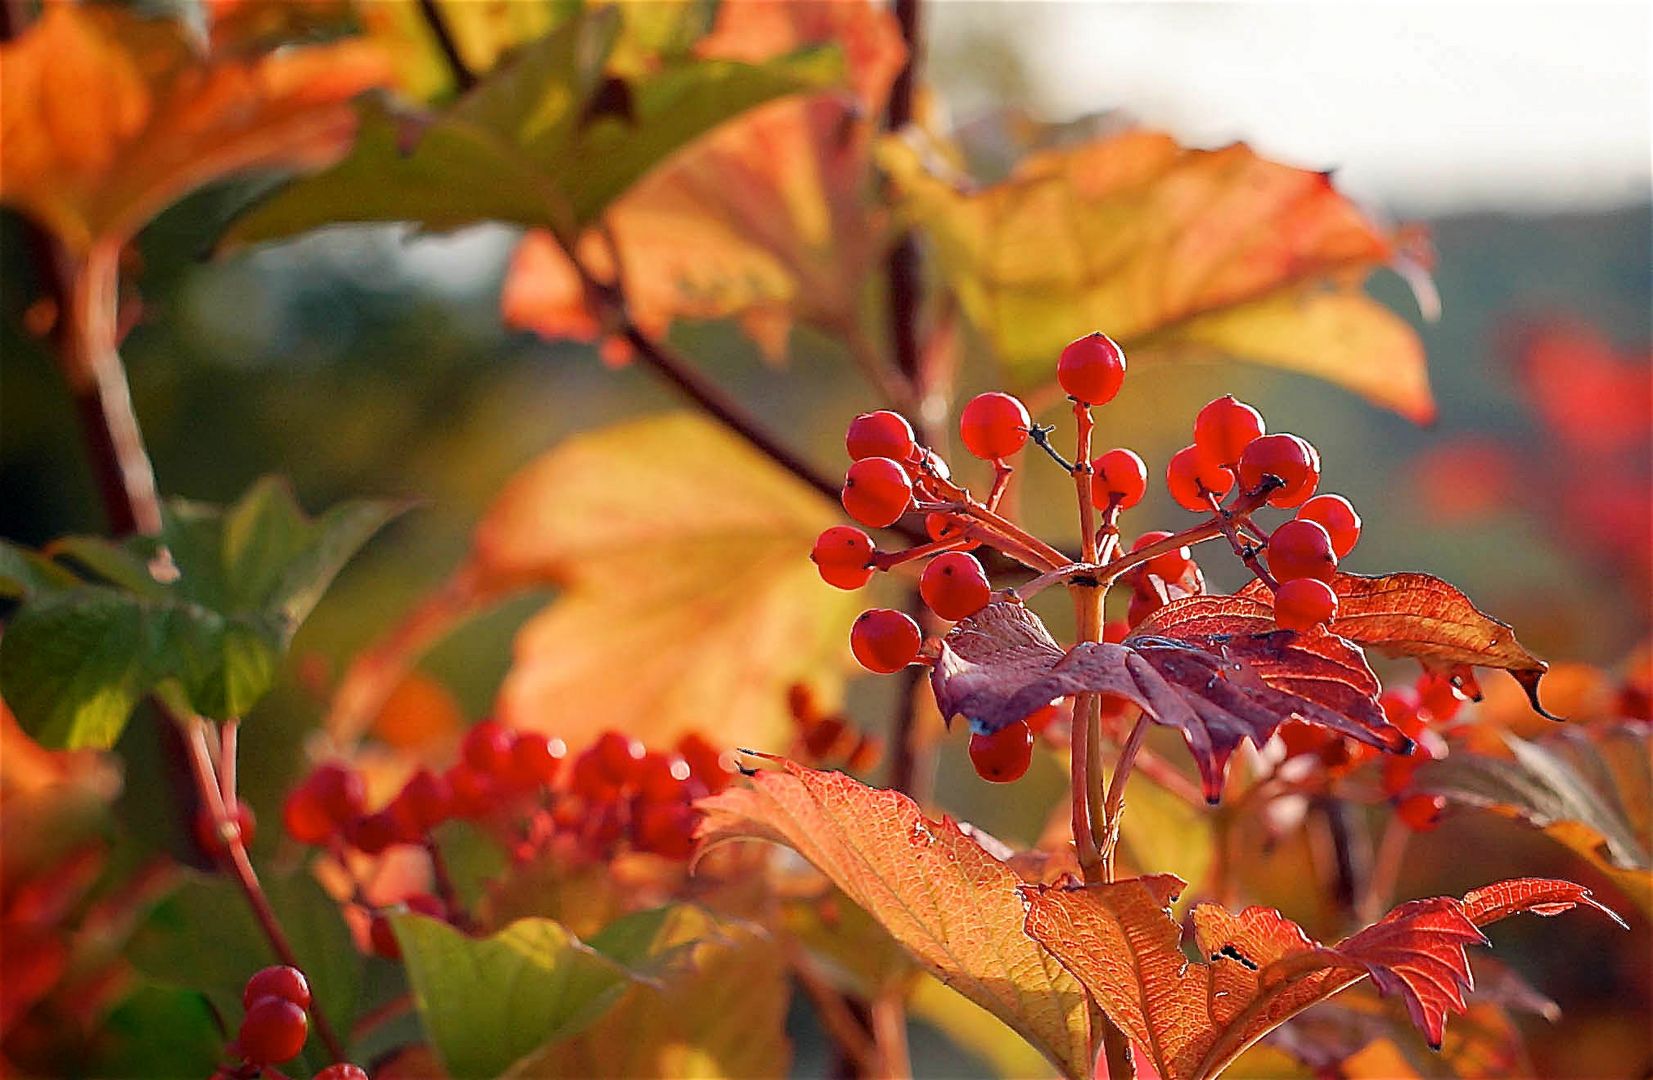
{"x":463,"y":77}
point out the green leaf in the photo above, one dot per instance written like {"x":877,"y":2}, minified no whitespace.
{"x":487,"y":1002}
{"x":73,"y":666}
{"x":158,"y":1032}
{"x":25,"y":573}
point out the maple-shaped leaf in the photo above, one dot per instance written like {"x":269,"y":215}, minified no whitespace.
{"x":1221,"y":681}
{"x":1421,"y":616}
{"x":936,"y":890}
{"x":1181,"y":254}
{"x":769,"y":219}
{"x":1589,"y":788}
{"x":106,"y":117}
{"x":1191,"y":1019}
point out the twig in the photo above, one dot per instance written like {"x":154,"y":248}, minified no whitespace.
{"x":889,"y":1031}
{"x":1380,"y":885}
{"x":1115,"y":804}
{"x":846,"y":1033}
{"x":463,"y":77}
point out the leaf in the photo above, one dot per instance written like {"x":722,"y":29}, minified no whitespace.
{"x":1178,"y":254}
{"x":937,"y":892}
{"x":532,"y":143}
{"x":485,"y":1003}
{"x":1588,"y":788}
{"x":770,"y":218}
{"x":680,"y":608}
{"x":108,"y":117}
{"x":1191,"y":1019}
{"x":1217,"y":688}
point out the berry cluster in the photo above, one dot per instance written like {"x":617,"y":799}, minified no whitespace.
{"x":1232,"y":457}
{"x":828,"y":738}
{"x":275,"y":1026}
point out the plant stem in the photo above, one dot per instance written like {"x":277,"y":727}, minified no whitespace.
{"x":848,"y":1036}
{"x":1115,"y":804}
{"x":463,"y":77}
{"x":889,"y":1032}
{"x":1380,"y":885}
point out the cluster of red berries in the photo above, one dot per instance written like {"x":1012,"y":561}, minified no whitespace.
{"x":619,"y":793}
{"x":827,"y":738}
{"x":275,"y":1026}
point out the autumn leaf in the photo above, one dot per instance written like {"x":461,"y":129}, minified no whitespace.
{"x":1590,"y":788}
{"x":106,"y":118}
{"x":1179,"y":254}
{"x":1190,"y":1020}
{"x":944,"y":898}
{"x":1217,"y":688}
{"x":769,"y":219}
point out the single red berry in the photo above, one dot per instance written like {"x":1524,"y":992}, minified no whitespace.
{"x":216,"y":840}
{"x":305,"y":818}
{"x":474,"y":794}
{"x":1338,"y":515}
{"x":536,"y":758}
{"x":1190,"y":476}
{"x":929,"y":463}
{"x":1115,"y":630}
{"x":663,"y":777}
{"x":1400,"y":708}
{"x":426,"y":798}
{"x":589,"y":779}
{"x":994,"y":425}
{"x":1168,"y":566}
{"x":1225,"y":427}
{"x":279,"y":981}
{"x":342,"y":1070}
{"x":883,"y":640}
{"x":371,"y":834}
{"x":707,"y":763}
{"x":1142,"y":605}
{"x":272,"y":1031}
{"x":339,"y":790}
{"x":1003,"y":756}
{"x":1092,"y":369}
{"x":1420,"y":812}
{"x":487,"y":748}
{"x":945,"y":527}
{"x":1438,"y":697}
{"x":822,"y":735}
{"x":1286,"y":457}
{"x":1301,"y":738}
{"x":876,"y":492}
{"x":843,"y":556}
{"x":620,"y":755}
{"x":1304,"y":603}
{"x":1042,"y":717}
{"x":1118,"y":478}
{"x":1397,"y":772}
{"x":664,"y":828}
{"x":1301,"y":549}
{"x":954,"y":585}
{"x":879,"y":434}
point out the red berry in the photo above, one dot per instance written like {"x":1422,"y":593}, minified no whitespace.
{"x":536,"y":758}
{"x":487,"y":748}
{"x":1190,"y":476}
{"x":1142,"y":605}
{"x":1420,"y":813}
{"x":1437,"y":697}
{"x":994,"y":425}
{"x":665,"y":829}
{"x":273,"y":1031}
{"x":1301,"y":738}
{"x":930,"y":463}
{"x":1338,"y":516}
{"x":1304,"y":603}
{"x":305,"y":818}
{"x":876,"y":492}
{"x":589,"y":779}
{"x":663,"y":777}
{"x":426,"y":798}
{"x":1400,"y":708}
{"x":474,"y":794}
{"x":1301,"y":549}
{"x":1118,"y":478}
{"x":706,"y":762}
{"x":1042,"y":717}
{"x":1115,"y":631}
{"x":1092,"y":369}
{"x":342,"y":1070}
{"x":955,"y":586}
{"x":619,"y":754}
{"x":883,"y":640}
{"x":843,"y":555}
{"x":879,"y":434}
{"x":1225,"y":427}
{"x":339,"y":790}
{"x":215,"y":841}
{"x":1398,"y":770}
{"x":1286,"y":457}
{"x":944,"y":527}
{"x":1169,"y":566}
{"x":381,"y":937}
{"x":281,"y":981}
{"x":371,"y":834}
{"x":1004,"y":755}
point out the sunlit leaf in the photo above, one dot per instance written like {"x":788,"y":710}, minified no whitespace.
{"x":936,"y":891}
{"x":1178,"y":254}
{"x":1260,"y":968}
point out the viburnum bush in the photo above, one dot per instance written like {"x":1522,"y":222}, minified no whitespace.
{"x":356,"y":876}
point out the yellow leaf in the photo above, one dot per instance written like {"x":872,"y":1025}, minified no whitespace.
{"x":107,"y":118}
{"x":689,"y":600}
{"x":1176,"y":253}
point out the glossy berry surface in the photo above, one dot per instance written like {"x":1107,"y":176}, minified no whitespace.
{"x":994,"y":425}
{"x":876,"y":492}
{"x":1092,"y":369}
{"x":884,"y":640}
{"x":1003,"y":756}
{"x":1190,"y":476}
{"x":879,"y":434}
{"x":342,"y":1070}
{"x":1286,"y":457}
{"x":955,"y":585}
{"x":1338,"y":516}
{"x":842,"y":555}
{"x":1225,"y":427}
{"x":1420,"y":812}
{"x":1169,"y":565}
{"x":536,"y":759}
{"x":1301,"y":549}
{"x":1304,"y":603}
{"x":1118,"y":478}
{"x":487,"y":747}
{"x":272,"y":1031}
{"x":619,"y":754}
{"x":279,"y":981}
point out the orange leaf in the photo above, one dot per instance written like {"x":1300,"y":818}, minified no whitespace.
{"x":949,"y":902}
{"x":107,"y":118}
{"x":1192,"y":1019}
{"x":1178,"y":254}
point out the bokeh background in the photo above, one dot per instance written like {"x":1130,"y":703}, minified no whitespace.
{"x":364,"y":362}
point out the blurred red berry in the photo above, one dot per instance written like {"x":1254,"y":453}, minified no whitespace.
{"x":371,"y":834}
{"x":342,"y":1070}
{"x":664,"y":828}
{"x":706,"y":762}
{"x":279,"y":981}
{"x":339,"y":790}
{"x":216,"y":840}
{"x":426,"y":798}
{"x":619,"y":754}
{"x":305,"y":818}
{"x":1167,"y":566}
{"x":487,"y":748}
{"x":536,"y":758}
{"x":663,"y":777}
{"x":1400,"y":708}
{"x":272,"y":1031}
{"x":1420,"y":812}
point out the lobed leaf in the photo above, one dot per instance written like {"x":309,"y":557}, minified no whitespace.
{"x":937,"y":892}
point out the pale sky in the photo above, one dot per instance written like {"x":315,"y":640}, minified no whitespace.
{"x":1420,"y":106}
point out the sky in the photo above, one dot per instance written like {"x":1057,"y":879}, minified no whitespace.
{"x":1422,"y":107}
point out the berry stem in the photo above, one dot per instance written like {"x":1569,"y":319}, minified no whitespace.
{"x":886,"y":560}
{"x":1114,"y":807}
{"x":445,"y":891}
{"x":1245,"y":552}
{"x":1001,"y":482}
